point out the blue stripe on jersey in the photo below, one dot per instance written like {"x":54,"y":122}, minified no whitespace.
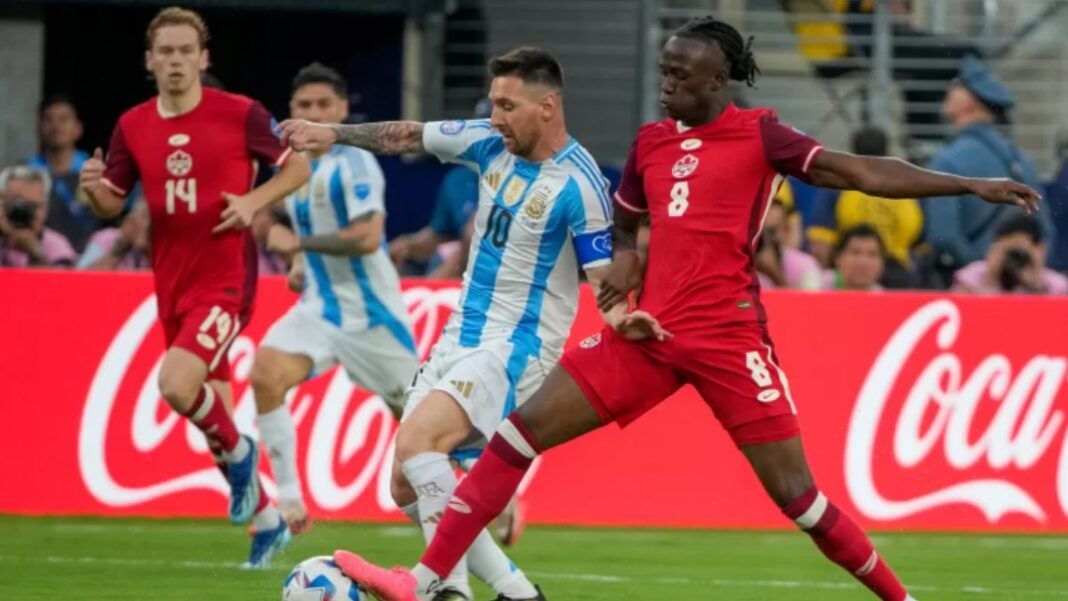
{"x":483,"y":151}
{"x":331,"y":307}
{"x":354,"y":159}
{"x":593,"y":174}
{"x":479,"y":295}
{"x":552,"y":242}
{"x":517,"y":362}
{"x":377,"y":312}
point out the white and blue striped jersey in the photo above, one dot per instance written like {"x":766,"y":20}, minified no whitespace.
{"x":349,"y":292}
{"x":536,"y":223}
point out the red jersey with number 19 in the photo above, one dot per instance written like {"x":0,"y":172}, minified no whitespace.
{"x":707,"y":190}
{"x":185,"y":162}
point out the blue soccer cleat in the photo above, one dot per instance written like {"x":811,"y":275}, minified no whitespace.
{"x":267,"y":544}
{"x":244,"y":484}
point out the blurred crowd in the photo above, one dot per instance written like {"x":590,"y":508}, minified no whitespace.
{"x":811,"y":240}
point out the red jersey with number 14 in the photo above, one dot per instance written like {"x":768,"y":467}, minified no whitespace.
{"x":707,"y":190}
{"x":185,"y":162}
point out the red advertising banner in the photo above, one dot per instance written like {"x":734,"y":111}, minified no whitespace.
{"x":918,"y":411}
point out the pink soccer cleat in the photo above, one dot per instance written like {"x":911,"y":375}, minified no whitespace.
{"x":396,"y":584}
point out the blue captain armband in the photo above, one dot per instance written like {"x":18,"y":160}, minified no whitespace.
{"x":594,"y":248}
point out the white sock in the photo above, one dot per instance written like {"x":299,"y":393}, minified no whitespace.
{"x":425,"y":579}
{"x":434,"y":481}
{"x":240,"y":451}
{"x":412,"y":511}
{"x":490,"y":565}
{"x":279,"y":435}
{"x":266,"y":519}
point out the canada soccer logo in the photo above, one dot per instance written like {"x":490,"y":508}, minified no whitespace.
{"x":684,"y":166}
{"x":179,"y":163}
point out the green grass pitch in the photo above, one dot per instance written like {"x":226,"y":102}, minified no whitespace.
{"x":154,"y":560}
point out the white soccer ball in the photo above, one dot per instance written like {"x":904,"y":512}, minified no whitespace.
{"x":319,"y":579}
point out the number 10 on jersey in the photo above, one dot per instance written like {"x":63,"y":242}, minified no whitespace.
{"x":183,"y":189}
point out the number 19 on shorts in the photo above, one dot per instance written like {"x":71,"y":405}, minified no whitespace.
{"x":680,"y":199}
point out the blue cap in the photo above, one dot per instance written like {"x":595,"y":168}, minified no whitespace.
{"x":981,"y":81}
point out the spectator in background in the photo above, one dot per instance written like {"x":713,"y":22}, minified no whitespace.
{"x":859,"y":261}
{"x":122,"y":248}
{"x":899,"y":222}
{"x":270,"y":263}
{"x":25,"y":241}
{"x":1057,"y":204}
{"x":961,"y":230}
{"x":443,"y":244}
{"x":1015,"y":263}
{"x":60,"y":129}
{"x":779,"y":266}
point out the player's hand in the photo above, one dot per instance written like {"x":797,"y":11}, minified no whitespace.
{"x":25,"y":240}
{"x":282,"y":240}
{"x":623,"y":276}
{"x":303,"y":135}
{"x":399,"y":250}
{"x":238,"y":215}
{"x":639,"y":325}
{"x":295,"y":278}
{"x":1006,"y":191}
{"x":91,"y":177}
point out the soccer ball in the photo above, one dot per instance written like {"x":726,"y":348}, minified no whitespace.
{"x":319,"y":579}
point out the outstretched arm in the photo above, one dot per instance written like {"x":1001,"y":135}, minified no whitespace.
{"x":890,"y":177}
{"x":385,"y":137}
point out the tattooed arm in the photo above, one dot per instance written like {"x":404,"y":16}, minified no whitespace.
{"x":385,"y":137}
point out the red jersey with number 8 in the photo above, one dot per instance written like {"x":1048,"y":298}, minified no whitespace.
{"x":707,"y":190}
{"x":184,"y":163}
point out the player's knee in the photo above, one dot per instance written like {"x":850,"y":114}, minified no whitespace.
{"x":178,"y":393}
{"x":787,"y":485}
{"x":414,"y":437}
{"x":267,"y":375}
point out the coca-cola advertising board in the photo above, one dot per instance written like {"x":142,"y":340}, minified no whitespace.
{"x":919,"y":411}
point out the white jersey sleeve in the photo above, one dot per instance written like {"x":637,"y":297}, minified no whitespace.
{"x":472,"y":143}
{"x":362,"y":183}
{"x":590,"y":218}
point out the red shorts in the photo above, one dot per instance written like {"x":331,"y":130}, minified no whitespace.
{"x":735,"y":372}
{"x":207,"y":331}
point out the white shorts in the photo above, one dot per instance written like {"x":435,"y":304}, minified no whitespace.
{"x":479,"y":379}
{"x":372,"y":357}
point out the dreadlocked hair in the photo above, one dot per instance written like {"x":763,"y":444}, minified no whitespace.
{"x":739,"y":51}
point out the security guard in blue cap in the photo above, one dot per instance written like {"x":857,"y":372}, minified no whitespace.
{"x":960,"y":229}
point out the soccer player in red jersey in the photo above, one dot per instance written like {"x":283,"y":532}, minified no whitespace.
{"x":194,"y":149}
{"x":705,"y":176}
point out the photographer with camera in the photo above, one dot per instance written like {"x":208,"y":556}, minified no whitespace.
{"x":1015,"y":263}
{"x":24,"y":239}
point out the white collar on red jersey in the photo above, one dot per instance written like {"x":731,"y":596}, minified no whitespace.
{"x":681,"y":127}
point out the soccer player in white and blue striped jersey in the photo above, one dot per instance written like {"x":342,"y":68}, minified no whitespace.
{"x":543,"y":212}
{"x":351,"y":311}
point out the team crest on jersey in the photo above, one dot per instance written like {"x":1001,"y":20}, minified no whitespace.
{"x":319,"y":191}
{"x":178,"y":140}
{"x":691,"y":144}
{"x":362,"y":190}
{"x":537,"y":202}
{"x":179,"y":164}
{"x":591,"y":342}
{"x":684,"y":166}
{"x":514,"y":191}
{"x":451,"y":128}
{"x":493,"y":179}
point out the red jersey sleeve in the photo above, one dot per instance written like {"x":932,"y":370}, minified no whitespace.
{"x":120,"y":171}
{"x":260,"y":139}
{"x":787,"y":150}
{"x":631,"y":193}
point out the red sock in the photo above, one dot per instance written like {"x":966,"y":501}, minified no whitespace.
{"x":264,"y":500}
{"x":210,"y":415}
{"x":844,"y":543}
{"x":217,"y":456}
{"x":482,"y":495}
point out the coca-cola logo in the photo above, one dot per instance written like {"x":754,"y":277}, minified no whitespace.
{"x":132,"y":449}
{"x":987,"y":427}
